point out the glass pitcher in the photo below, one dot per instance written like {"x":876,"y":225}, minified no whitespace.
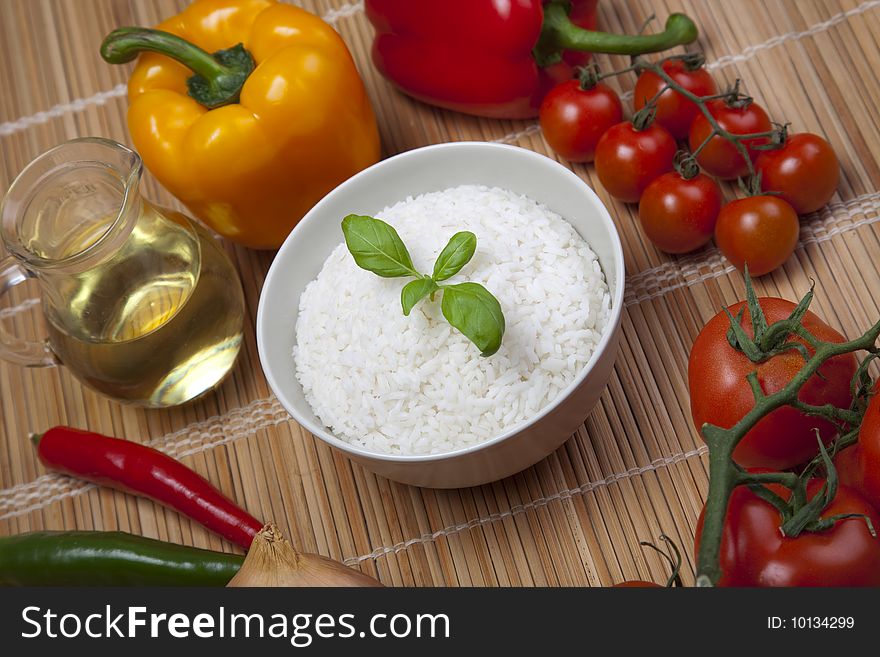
{"x":141,"y":303}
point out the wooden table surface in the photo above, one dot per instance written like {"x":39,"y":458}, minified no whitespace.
{"x":634,"y":469}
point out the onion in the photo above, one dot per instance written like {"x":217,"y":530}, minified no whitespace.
{"x":273,"y":561}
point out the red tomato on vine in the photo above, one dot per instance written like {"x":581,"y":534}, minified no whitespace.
{"x":859,"y":466}
{"x":721,"y":395}
{"x":804,"y":171}
{"x":758,"y":231}
{"x":719,"y":156}
{"x":755,"y":553}
{"x":574,"y":118}
{"x":629,"y":158}
{"x":678,"y":214}
{"x":674,"y":111}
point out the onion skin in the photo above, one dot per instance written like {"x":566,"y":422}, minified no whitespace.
{"x":273,"y":562}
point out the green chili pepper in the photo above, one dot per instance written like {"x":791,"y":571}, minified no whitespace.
{"x":88,"y":558}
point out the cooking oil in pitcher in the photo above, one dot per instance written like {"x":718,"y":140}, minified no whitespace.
{"x":141,"y":303}
{"x":161,"y":333}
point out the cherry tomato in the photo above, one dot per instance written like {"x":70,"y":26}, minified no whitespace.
{"x":755,"y":553}
{"x":674,"y":111}
{"x":804,"y":171}
{"x":761,"y":231}
{"x":628,"y":160}
{"x":720,"y":157}
{"x":573,"y":119}
{"x":721,"y":395}
{"x":678,"y":214}
{"x":859,"y":466}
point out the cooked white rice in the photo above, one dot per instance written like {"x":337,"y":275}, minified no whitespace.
{"x":414,"y":385}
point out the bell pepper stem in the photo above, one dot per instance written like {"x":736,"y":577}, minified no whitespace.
{"x":218,"y":77}
{"x":126,"y":43}
{"x":560,"y":33}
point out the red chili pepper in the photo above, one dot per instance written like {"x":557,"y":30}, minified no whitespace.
{"x":142,"y":470}
{"x":496,"y":58}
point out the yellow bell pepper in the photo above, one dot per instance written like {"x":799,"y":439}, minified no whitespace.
{"x":248,"y":111}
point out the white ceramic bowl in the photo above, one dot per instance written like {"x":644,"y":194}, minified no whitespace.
{"x":428,"y":169}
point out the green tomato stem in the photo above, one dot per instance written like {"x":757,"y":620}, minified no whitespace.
{"x":787,"y":479}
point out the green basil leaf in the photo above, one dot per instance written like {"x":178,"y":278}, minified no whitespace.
{"x":455,"y":255}
{"x":415,"y":291}
{"x":473,"y":310}
{"x":377,"y":247}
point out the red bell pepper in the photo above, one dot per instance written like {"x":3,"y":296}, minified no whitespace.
{"x":496,"y":58}
{"x":144,"y":471}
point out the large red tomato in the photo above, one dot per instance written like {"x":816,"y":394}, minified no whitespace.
{"x":755,"y":553}
{"x":721,"y":395}
{"x":674,"y":111}
{"x":859,"y":466}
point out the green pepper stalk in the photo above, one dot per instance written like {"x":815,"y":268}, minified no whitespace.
{"x":217,"y":78}
{"x":559,"y":33}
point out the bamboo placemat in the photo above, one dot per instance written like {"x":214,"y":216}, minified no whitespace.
{"x":636,"y":468}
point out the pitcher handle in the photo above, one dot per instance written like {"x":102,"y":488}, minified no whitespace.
{"x":13,"y":349}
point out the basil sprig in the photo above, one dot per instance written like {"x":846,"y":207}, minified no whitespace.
{"x":469,"y":307}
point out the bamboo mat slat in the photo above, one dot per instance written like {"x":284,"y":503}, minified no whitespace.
{"x":636,"y":467}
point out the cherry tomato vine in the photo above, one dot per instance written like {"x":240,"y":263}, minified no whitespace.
{"x":732,"y":97}
{"x":728,"y":135}
{"x":681,"y":208}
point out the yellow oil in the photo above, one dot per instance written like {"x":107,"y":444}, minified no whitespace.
{"x":158,"y":323}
